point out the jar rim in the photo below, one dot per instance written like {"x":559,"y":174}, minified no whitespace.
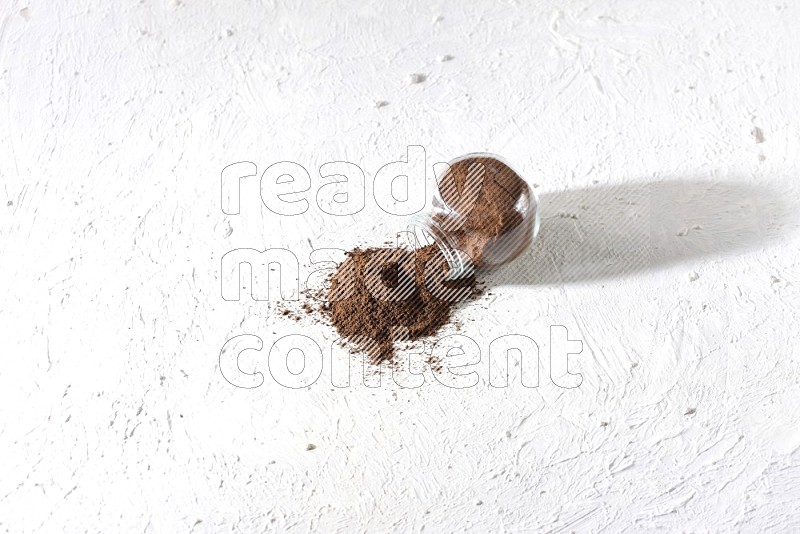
{"x":428,"y":232}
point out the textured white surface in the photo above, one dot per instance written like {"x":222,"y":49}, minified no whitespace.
{"x":117,"y":119}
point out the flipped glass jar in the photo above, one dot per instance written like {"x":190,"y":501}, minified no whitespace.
{"x":484,"y":214}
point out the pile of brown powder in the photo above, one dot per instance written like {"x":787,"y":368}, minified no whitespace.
{"x":381,"y":295}
{"x":414,"y":302}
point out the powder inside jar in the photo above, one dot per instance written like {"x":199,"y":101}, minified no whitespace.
{"x":486,"y":211}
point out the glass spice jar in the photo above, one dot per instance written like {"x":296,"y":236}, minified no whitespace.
{"x":484,"y":214}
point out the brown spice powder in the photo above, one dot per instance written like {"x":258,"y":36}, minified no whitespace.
{"x":371,"y":319}
{"x":382,"y":295}
{"x":484,"y":221}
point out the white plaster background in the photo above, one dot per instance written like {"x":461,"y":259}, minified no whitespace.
{"x":117,"y":119}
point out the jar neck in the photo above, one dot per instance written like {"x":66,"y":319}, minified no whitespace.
{"x":427,"y":231}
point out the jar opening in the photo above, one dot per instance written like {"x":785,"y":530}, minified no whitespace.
{"x":427,"y":232}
